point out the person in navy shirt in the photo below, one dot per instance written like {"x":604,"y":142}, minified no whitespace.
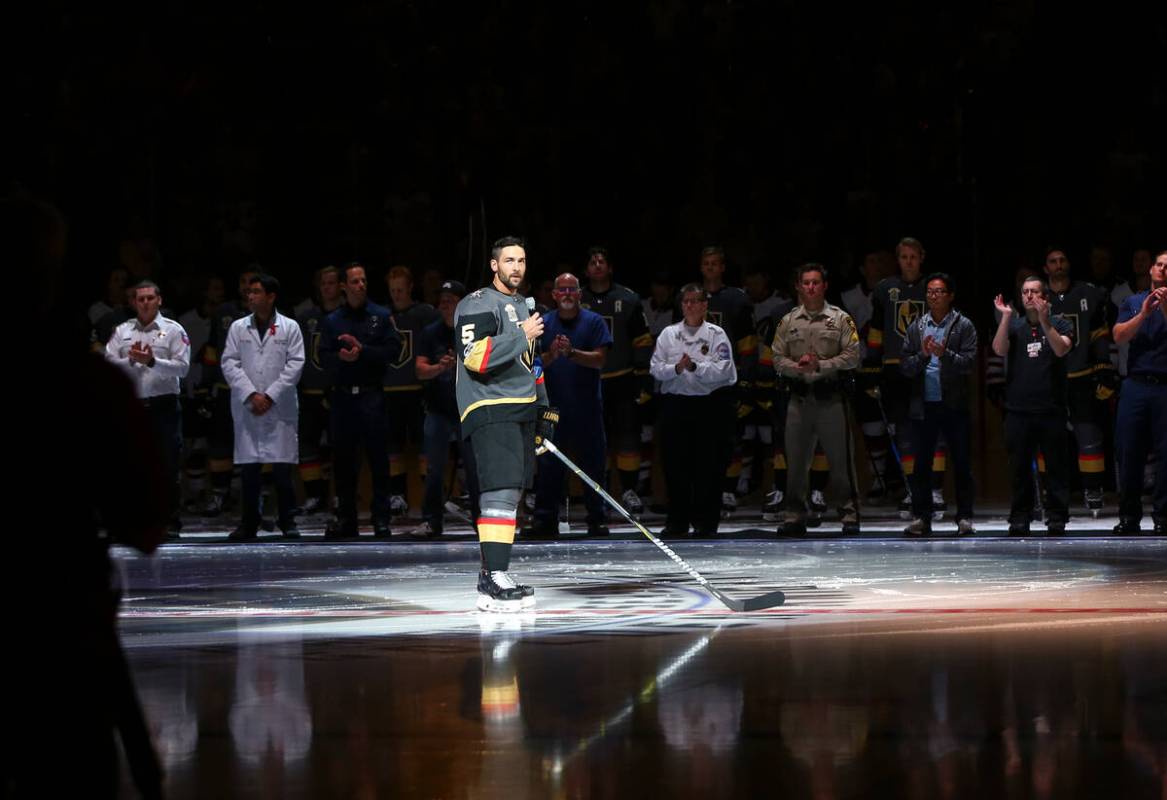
{"x":1142,"y":408}
{"x":359,"y":343}
{"x":574,"y":347}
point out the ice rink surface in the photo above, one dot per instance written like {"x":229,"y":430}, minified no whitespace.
{"x":969,"y":667}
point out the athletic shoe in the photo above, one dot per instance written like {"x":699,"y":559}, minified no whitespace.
{"x":773,"y":506}
{"x":499,"y":594}
{"x":398,"y":506}
{"x":631,"y":502}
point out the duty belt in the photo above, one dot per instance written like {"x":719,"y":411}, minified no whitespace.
{"x":357,"y":389}
{"x":826,"y":389}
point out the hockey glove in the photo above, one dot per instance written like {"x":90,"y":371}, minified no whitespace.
{"x":1105,"y":383}
{"x":545,"y":426}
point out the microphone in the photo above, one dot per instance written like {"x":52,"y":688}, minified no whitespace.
{"x":531,"y":305}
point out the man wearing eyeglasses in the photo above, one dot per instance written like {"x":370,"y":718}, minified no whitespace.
{"x":693,"y":360}
{"x":574,"y":345}
{"x":939,"y":353}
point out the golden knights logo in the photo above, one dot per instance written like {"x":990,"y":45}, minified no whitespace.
{"x":406,"y":350}
{"x":906,"y":312}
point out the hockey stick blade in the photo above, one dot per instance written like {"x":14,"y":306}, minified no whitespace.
{"x":768,"y":600}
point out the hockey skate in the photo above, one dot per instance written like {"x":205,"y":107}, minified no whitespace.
{"x":631,"y":502}
{"x":498,"y":593}
{"x":1094,"y":502}
{"x":772,"y":508}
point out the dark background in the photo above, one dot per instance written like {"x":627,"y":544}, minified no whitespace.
{"x":393,"y":132}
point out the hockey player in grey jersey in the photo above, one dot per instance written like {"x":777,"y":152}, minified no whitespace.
{"x":501,"y":402}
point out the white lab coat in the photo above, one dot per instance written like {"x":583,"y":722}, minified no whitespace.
{"x":270,"y":366}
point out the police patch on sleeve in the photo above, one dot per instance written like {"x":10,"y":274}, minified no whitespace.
{"x":723,"y":352}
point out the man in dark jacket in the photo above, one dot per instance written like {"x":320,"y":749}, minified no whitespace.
{"x":939,"y":353}
{"x":359,"y":342}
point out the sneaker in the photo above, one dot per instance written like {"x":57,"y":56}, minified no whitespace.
{"x":920,"y":527}
{"x":1094,"y":501}
{"x":728,"y":503}
{"x":244,"y":533}
{"x":631,"y":502}
{"x":498,"y":593}
{"x":939,"y":507}
{"x":964,"y":527}
{"x":905,"y":508}
{"x":424,"y":531}
{"x":398,"y":506}
{"x":338,"y":528}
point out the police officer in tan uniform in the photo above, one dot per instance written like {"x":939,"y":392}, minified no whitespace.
{"x":814,"y":347}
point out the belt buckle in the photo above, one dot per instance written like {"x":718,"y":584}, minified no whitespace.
{"x":355,"y":390}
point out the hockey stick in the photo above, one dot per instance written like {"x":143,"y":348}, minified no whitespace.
{"x":768,"y":600}
{"x":891,"y":440}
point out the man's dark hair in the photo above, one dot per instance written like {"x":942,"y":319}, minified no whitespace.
{"x":1038,"y":280}
{"x":941,"y":276}
{"x":506,"y":241}
{"x":1054,"y":249}
{"x":147,"y":284}
{"x":351,"y":265}
{"x":270,"y":283}
{"x":811,"y":267}
{"x":599,"y":250}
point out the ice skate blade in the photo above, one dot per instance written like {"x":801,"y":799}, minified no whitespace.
{"x":488,"y":603}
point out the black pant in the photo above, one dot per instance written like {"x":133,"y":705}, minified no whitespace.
{"x":1024,"y":434}
{"x":939,"y":418}
{"x":358,"y":421}
{"x":166,"y":419}
{"x":251,"y":475}
{"x":696,"y":441}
